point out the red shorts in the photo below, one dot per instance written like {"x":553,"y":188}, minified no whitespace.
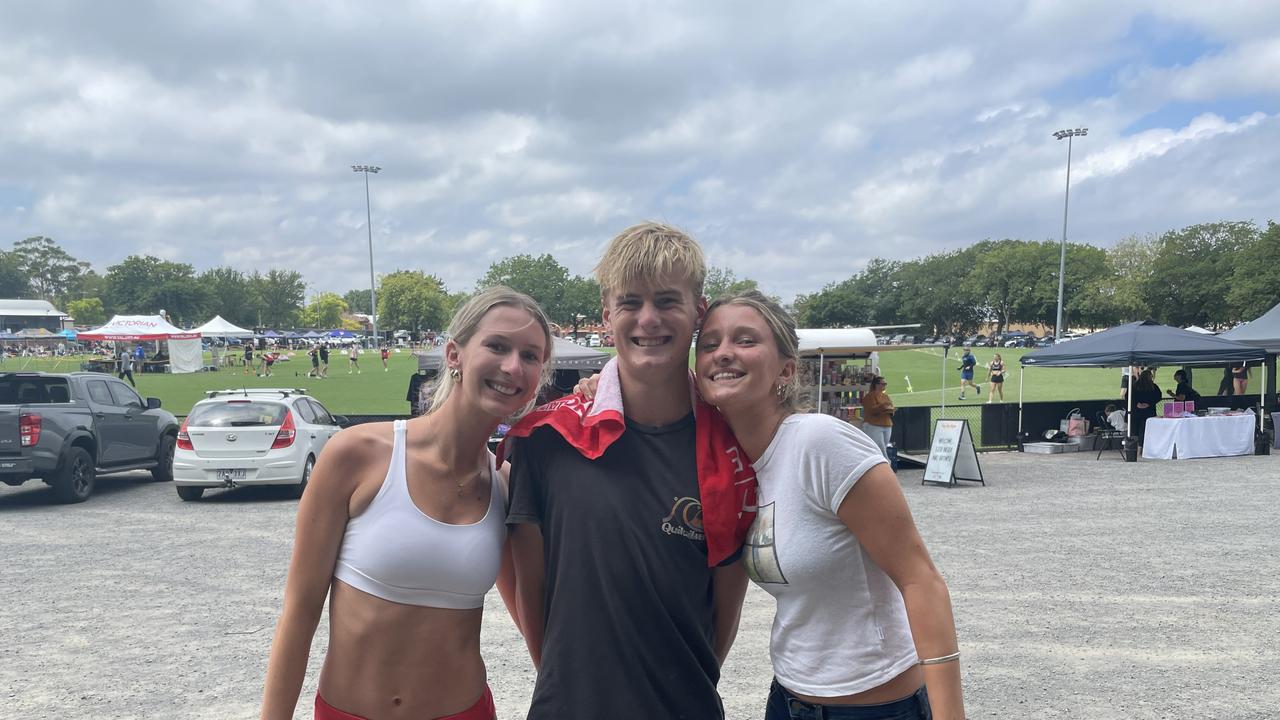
{"x":481,"y":710}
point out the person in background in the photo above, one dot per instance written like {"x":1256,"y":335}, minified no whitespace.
{"x":268,"y":360}
{"x":403,"y":528}
{"x":995,"y":376}
{"x":248,"y":358}
{"x":1184,"y":390}
{"x":1127,"y":378}
{"x":324,"y":360}
{"x":877,"y":414}
{"x":1240,"y":378}
{"x":1226,"y":388}
{"x":314,"y":353}
{"x":1115,"y":418}
{"x":386,"y":355}
{"x":353,"y":359}
{"x":967,"y":364}
{"x":125,"y":366}
{"x":1146,"y":395}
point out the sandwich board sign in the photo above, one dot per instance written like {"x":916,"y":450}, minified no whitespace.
{"x":952,"y":456}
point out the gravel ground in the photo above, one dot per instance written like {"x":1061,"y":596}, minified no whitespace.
{"x":1082,"y":589}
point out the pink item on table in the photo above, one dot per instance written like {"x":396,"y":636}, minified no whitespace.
{"x":1178,"y":408}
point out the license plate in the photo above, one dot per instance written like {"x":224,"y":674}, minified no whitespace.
{"x":235,"y":474}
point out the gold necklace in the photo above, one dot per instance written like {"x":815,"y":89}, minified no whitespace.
{"x":464,"y":481}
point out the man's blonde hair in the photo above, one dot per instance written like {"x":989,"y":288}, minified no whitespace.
{"x":649,"y":252}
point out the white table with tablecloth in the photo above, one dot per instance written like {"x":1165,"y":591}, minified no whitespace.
{"x":1199,"y":437}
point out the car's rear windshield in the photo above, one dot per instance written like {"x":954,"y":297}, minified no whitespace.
{"x":33,"y":390}
{"x":237,"y":413}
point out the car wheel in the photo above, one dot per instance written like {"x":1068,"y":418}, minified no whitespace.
{"x":163,"y":471}
{"x":74,"y":481}
{"x":301,"y":487}
{"x":190,"y":492}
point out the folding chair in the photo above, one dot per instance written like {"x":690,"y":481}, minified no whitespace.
{"x":1108,"y":433}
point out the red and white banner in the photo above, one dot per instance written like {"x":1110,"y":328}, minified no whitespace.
{"x":137,"y":327}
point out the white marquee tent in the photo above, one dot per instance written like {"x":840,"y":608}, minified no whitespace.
{"x":220,"y":328}
{"x":184,"y":345}
{"x":217,"y":327}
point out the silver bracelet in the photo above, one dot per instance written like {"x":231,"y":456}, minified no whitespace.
{"x":940,"y":660}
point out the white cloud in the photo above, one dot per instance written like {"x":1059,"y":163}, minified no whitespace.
{"x":795,"y":141}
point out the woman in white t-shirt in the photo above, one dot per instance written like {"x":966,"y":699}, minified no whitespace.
{"x":864,"y":621}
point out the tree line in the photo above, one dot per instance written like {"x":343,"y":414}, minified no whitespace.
{"x":37,"y":267}
{"x":1212,"y":274}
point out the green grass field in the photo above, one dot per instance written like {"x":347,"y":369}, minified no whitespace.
{"x":375,"y":392}
{"x":925,"y":370}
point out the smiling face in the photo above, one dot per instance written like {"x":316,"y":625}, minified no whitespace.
{"x":652,"y":327}
{"x":501,"y":363}
{"x":738,"y":364}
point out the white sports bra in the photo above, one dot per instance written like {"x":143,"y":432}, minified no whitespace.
{"x":396,"y":552}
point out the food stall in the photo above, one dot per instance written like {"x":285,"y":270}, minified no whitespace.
{"x":1149,"y":344}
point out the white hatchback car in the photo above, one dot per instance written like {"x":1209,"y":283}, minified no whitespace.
{"x":251,"y":437}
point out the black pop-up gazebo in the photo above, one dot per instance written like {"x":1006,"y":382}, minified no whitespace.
{"x":1140,"y":343}
{"x":1263,"y":332}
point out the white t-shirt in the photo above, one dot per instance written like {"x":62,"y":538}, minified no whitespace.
{"x":1116,"y":420}
{"x":841,"y":626}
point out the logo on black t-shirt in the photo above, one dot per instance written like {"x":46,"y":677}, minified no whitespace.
{"x":685,"y":519}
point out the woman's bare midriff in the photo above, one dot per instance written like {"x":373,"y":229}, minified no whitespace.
{"x":896,"y":689}
{"x":389,"y":660}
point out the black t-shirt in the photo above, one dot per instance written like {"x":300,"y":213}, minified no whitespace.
{"x":1187,"y":392}
{"x":1150,"y":397}
{"x":324,"y":354}
{"x":629,"y":630}
{"x":414,"y":393}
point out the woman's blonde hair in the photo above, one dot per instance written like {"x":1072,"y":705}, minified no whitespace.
{"x":464,"y":325}
{"x":783,"y":328}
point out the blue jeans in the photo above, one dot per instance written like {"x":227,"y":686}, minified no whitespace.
{"x":880,"y":435}
{"x":783,"y":705}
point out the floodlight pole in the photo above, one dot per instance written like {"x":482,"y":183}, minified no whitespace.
{"x":368,"y":222}
{"x":1062,"y":257}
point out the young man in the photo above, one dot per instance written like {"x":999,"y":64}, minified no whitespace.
{"x":967,"y":364}
{"x":324,"y":360}
{"x":621,"y":613}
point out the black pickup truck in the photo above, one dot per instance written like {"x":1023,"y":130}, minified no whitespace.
{"x":68,"y":429}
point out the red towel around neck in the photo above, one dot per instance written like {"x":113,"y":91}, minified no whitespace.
{"x":726,"y":480}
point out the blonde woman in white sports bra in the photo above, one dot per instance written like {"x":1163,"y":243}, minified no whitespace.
{"x":403,"y":529}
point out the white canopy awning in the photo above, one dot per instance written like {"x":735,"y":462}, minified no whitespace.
{"x":217,"y":327}
{"x":138,"y":327}
{"x":835,"y":342}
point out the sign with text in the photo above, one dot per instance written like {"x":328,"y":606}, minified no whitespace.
{"x":952,"y":456}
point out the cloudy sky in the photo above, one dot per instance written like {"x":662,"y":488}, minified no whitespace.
{"x":794,"y":140}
